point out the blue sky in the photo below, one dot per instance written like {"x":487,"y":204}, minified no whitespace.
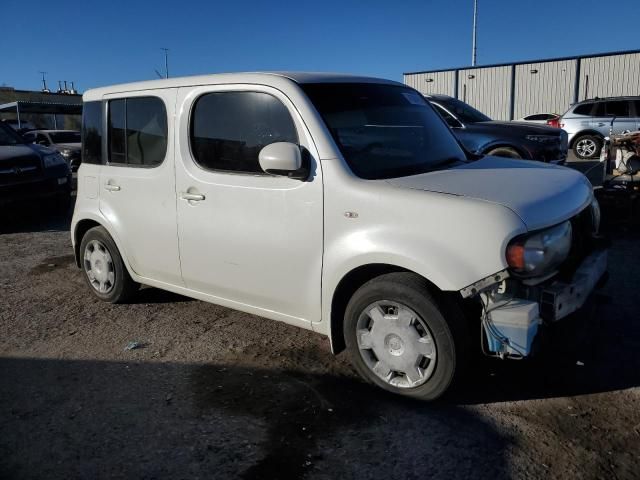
{"x":101,"y":43}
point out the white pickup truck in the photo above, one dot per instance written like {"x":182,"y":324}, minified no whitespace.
{"x":339,"y":204}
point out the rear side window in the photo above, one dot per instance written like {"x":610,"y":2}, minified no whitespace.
{"x":584,"y":109}
{"x":137,"y":131}
{"x":619,"y":108}
{"x":92,"y":132}
{"x":228,"y":129}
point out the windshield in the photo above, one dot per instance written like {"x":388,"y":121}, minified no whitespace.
{"x":464,"y":112}
{"x":384,"y":131}
{"x":8,"y":136}
{"x":65,"y":137}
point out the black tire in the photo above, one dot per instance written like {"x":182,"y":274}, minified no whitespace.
{"x":587,"y":147}
{"x":443,"y":318}
{"x":506,"y":152}
{"x":122,"y":286}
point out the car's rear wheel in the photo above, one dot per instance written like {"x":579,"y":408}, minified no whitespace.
{"x":400,"y":339}
{"x":587,"y":147}
{"x":507,"y":152}
{"x":104,"y":270}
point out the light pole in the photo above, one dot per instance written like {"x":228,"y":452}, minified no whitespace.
{"x":475,"y":25}
{"x":166,"y":62}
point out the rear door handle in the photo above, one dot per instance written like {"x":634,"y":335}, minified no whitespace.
{"x":112,"y":188}
{"x":195,"y":197}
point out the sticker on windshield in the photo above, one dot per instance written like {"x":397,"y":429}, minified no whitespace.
{"x":414,"y":98}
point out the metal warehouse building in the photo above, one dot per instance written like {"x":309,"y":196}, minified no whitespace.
{"x":514,"y":90}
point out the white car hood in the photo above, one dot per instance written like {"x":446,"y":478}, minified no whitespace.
{"x":540,"y":194}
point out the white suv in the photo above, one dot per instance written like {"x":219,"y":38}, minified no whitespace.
{"x":339,"y":204}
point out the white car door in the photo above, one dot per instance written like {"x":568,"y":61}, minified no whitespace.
{"x":253,"y":241}
{"x":137,"y":182}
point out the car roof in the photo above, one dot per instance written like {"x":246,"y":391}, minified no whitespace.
{"x":602,"y":99}
{"x":267,"y":78}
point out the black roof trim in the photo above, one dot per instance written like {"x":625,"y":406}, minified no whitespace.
{"x":543,"y":60}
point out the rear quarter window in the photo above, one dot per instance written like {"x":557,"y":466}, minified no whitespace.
{"x":584,"y":109}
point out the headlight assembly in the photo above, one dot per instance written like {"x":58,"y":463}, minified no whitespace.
{"x":541,"y":252}
{"x":66,"y":153}
{"x":54,"y":160}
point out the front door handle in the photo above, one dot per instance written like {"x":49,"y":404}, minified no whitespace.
{"x":193,"y":197}
{"x":111,"y":187}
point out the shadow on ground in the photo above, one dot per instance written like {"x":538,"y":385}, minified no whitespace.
{"x":85,"y":419}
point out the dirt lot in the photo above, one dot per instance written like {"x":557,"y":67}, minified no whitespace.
{"x":216,"y":393}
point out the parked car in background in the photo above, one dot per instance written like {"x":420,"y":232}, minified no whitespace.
{"x":22,"y":128}
{"x":67,"y":142}
{"x":481,"y":135}
{"x":542,"y":118}
{"x":335,"y":203}
{"x":32,"y":173}
{"x":589,"y":121}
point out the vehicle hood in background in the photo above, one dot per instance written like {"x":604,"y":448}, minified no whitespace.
{"x":16,"y":153}
{"x":517,"y":128}
{"x":70,"y":146}
{"x":540,"y":194}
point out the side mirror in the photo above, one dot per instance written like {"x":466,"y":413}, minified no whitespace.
{"x":283,"y":158}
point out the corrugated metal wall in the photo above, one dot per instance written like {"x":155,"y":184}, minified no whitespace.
{"x":487,"y":89}
{"x":610,"y":76}
{"x":436,"y":82}
{"x":552,"y":88}
{"x":549,"y":90}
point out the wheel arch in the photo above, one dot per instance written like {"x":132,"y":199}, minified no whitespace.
{"x":502,"y":144}
{"x":348,"y":285}
{"x":81,"y":227}
{"x":582,"y":133}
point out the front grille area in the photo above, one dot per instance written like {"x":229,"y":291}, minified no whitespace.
{"x":19,"y":170}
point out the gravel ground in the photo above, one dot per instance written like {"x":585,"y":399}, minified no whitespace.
{"x":214,"y":393}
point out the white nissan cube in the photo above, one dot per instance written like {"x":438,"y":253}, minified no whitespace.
{"x":339,"y":204}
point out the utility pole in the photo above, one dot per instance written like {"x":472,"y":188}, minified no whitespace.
{"x":474,"y":48}
{"x":166,"y":62}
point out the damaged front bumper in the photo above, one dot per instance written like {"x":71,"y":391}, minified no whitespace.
{"x":513,"y":311}
{"x":561,"y":299}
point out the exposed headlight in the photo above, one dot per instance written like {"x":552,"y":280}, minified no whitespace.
{"x":539,"y":253}
{"x":543,"y":138}
{"x":66,"y":153}
{"x":54,"y":160}
{"x":595,"y":214}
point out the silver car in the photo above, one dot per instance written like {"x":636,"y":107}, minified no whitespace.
{"x":589,"y":121}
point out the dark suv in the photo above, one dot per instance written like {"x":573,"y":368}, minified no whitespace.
{"x":479,"y":134}
{"x":31,"y":173}
{"x":589,"y":121}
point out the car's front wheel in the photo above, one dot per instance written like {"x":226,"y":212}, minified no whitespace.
{"x":400,"y":339}
{"x":103,"y":268}
{"x":587,"y":147}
